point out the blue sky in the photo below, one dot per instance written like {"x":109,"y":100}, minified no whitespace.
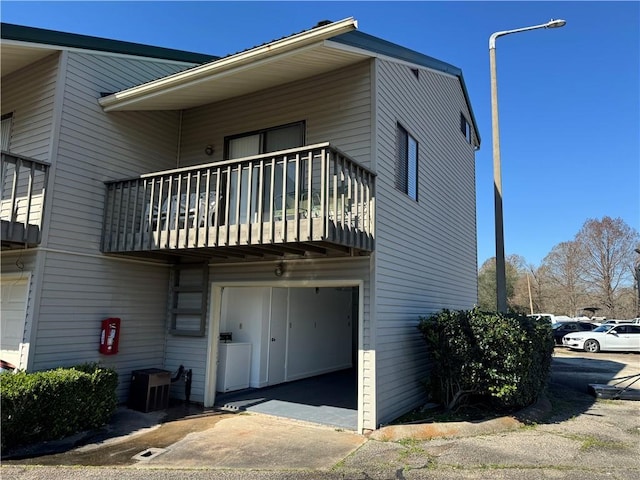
{"x":569,"y":98}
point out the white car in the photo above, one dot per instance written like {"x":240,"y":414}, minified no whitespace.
{"x":616,"y":337}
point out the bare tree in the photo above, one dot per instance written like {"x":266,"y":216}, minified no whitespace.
{"x":534,"y":286}
{"x":518,"y":295}
{"x":607,"y":249}
{"x":564,"y":288}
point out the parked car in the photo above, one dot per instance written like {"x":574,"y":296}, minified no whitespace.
{"x":615,"y":322}
{"x":543,"y":316}
{"x":614,"y":337}
{"x":560,"y":329}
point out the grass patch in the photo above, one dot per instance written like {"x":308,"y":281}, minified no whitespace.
{"x":410,"y":443}
{"x":589,"y":442}
{"x":413,"y":450}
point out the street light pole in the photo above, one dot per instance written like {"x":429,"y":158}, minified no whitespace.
{"x":501,"y":278}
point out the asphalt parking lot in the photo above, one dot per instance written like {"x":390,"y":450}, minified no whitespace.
{"x":572,"y":435}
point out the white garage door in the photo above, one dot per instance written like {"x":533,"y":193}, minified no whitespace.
{"x":13,"y":313}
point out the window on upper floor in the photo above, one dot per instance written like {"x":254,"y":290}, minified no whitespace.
{"x":465,"y":127}
{"x":264,"y":141}
{"x":267,"y":140}
{"x":407,"y":163}
{"x":5,"y":134}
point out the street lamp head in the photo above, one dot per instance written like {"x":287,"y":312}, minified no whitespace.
{"x":556,"y":23}
{"x":550,"y":24}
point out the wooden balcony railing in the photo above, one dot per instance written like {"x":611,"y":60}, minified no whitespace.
{"x":23,"y":187}
{"x":304,"y":199}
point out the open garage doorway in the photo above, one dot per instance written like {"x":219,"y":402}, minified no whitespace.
{"x":291,"y":352}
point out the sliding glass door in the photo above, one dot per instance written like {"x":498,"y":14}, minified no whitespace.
{"x":256,"y":143}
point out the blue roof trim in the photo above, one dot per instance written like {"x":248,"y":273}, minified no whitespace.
{"x":374,"y":44}
{"x":21,"y":33}
{"x":377,"y":45}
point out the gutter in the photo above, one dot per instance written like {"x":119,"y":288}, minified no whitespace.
{"x":195,"y":74}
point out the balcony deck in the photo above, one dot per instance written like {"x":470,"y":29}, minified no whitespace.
{"x":308,"y":201}
{"x":22,"y":195}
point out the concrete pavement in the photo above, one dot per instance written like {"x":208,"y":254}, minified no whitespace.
{"x":579,"y":438}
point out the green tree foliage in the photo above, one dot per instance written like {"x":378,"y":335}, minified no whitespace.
{"x":514,"y":269}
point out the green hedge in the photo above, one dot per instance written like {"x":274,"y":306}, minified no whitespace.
{"x":504,"y":359}
{"x":56,"y":403}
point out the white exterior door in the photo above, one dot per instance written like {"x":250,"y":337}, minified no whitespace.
{"x":13,"y":306}
{"x":278,"y":336}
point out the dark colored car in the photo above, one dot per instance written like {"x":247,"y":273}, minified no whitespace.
{"x":560,"y":329}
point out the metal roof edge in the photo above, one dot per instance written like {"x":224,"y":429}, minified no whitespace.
{"x":378,"y":45}
{"x":468,"y":100}
{"x":374,"y":44}
{"x":42,"y":36}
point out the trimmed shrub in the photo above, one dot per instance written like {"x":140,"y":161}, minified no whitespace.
{"x":56,"y":403}
{"x":504,"y":359}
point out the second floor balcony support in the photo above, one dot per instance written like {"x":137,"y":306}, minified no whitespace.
{"x":303,"y":200}
{"x":22,"y":192}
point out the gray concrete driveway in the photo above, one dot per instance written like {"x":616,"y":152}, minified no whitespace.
{"x":581,"y":438}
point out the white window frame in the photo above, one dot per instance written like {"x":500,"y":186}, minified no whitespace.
{"x":465,"y":128}
{"x":261,"y":137}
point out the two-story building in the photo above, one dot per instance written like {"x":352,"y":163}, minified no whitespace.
{"x":312,"y":196}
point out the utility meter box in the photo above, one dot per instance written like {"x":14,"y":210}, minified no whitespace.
{"x":149,"y":389}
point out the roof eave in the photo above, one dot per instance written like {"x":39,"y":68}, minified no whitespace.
{"x":374,"y":44}
{"x":150,"y":89}
{"x":52,"y":38}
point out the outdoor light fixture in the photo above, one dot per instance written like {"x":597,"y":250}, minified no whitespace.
{"x":279,"y":270}
{"x":556,"y":23}
{"x":501,"y":277}
{"x":209,"y":150}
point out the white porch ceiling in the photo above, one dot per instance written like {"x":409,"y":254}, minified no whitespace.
{"x":307,"y":62}
{"x":13,"y":57}
{"x":288,"y":59}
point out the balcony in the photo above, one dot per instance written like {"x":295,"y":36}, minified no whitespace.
{"x":307,"y":201}
{"x":24,"y":182}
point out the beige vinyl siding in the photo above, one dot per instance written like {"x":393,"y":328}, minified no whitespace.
{"x":94,"y":146}
{"x":425,"y":250}
{"x":192,"y":352}
{"x":30,"y":94}
{"x":80,"y":291}
{"x":79,"y":286}
{"x":336,"y":108}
